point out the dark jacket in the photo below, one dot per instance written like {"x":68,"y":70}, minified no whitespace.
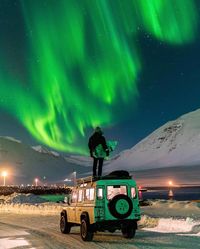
{"x":95,"y":140}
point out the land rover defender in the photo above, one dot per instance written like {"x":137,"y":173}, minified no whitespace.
{"x":107,"y":203}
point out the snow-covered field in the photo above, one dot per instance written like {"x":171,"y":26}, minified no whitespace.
{"x":28,"y":222}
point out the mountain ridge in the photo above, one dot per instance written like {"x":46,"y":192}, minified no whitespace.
{"x":24,"y":164}
{"x":176,"y":143}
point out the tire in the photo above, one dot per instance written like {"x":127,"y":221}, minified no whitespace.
{"x":85,"y":229}
{"x":65,"y":226}
{"x":128,"y":231}
{"x":120,"y":206}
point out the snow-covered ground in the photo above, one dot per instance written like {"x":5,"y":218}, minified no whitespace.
{"x":172,"y":217}
{"x":164,"y":224}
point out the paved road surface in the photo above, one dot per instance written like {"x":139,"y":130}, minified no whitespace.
{"x":42,"y":232}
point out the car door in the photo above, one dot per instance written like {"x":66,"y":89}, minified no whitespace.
{"x":71,"y":213}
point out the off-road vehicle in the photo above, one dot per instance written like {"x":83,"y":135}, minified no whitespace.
{"x":108,"y":203}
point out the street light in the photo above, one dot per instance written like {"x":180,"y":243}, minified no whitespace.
{"x":4,"y":174}
{"x":36,"y":182}
{"x":170,"y":194}
{"x":74,"y":177}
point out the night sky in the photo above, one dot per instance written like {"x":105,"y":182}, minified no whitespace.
{"x":67,"y":66}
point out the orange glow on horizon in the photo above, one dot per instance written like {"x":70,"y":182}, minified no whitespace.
{"x":4,"y":173}
{"x":170,"y":183}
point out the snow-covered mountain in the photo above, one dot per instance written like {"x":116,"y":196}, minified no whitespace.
{"x":172,"y":146}
{"x":79,"y":160}
{"x":44,"y":150}
{"x":177,"y":143}
{"x":25,"y":163}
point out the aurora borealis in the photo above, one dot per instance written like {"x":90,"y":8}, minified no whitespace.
{"x":79,"y":62}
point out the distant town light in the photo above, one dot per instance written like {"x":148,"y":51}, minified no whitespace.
{"x":36,"y":182}
{"x":67,"y":180}
{"x":4,"y":174}
{"x":170,"y":183}
{"x":74,"y":177}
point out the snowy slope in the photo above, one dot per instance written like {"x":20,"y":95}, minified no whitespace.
{"x":24,"y":163}
{"x":11,"y":139}
{"x":44,"y":150}
{"x":177,"y":143}
{"x":79,"y":160}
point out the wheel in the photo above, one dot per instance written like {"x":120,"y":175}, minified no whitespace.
{"x":120,"y":206}
{"x":86,"y":233}
{"x":65,"y":226}
{"x":128,"y":231}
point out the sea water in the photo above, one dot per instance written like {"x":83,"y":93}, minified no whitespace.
{"x":176,"y":193}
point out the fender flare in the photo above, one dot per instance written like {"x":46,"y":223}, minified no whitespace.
{"x":85,"y":215}
{"x":63,"y":213}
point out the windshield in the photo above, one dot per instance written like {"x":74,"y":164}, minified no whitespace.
{"x":116,"y":190}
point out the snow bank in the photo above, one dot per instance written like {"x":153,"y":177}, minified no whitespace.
{"x":32,"y":209}
{"x":169,"y":216}
{"x":28,"y":204}
{"x":172,"y":208}
{"x":171,"y":225}
{"x":147,"y":221}
{"x":175,"y":204}
{"x":21,"y":198}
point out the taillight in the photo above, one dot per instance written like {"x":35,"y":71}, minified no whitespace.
{"x":133,"y":192}
{"x":99,"y":193}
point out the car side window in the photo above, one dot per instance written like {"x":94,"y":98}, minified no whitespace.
{"x":89,"y":194}
{"x":80,"y":195}
{"x":100,"y":193}
{"x":74,"y":196}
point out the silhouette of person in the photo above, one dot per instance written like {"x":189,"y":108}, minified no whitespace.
{"x":96,"y":139}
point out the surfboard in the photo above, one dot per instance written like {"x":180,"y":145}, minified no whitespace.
{"x":99,"y":151}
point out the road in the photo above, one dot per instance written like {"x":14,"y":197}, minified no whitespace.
{"x":42,"y":232}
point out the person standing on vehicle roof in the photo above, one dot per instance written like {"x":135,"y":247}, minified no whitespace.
{"x":96,"y":139}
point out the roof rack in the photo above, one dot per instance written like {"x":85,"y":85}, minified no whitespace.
{"x":115,"y":177}
{"x":85,"y":180}
{"x":118,"y":174}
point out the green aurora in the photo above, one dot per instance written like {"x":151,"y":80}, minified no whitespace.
{"x":85,"y":62}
